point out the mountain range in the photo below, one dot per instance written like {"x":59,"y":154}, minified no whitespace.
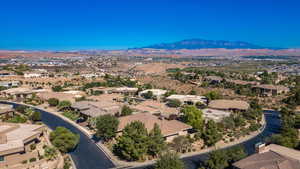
{"x":205,"y":44}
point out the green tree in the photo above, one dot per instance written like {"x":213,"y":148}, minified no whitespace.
{"x":235,"y":153}
{"x":181,"y":144}
{"x":217,"y":160}
{"x":297,"y":121}
{"x":174,"y":103}
{"x":169,"y":160}
{"x":156,"y":141}
{"x":107,"y":126}
{"x":133,"y":144}
{"x":21,"y":108}
{"x":169,"y":93}
{"x":53,"y":102}
{"x":193,"y":92}
{"x":35,"y":116}
{"x":213,"y":95}
{"x":126,"y":110}
{"x":57,"y":88}
{"x":193,"y":116}
{"x":211,"y":134}
{"x":63,"y":139}
{"x":64,"y":104}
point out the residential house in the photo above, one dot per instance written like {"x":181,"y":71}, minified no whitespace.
{"x":188,"y":99}
{"x":271,"y":157}
{"x":270,"y":90}
{"x":5,"y":73}
{"x":9,"y":84}
{"x":169,"y":128}
{"x":18,"y":93}
{"x":70,"y":96}
{"x":94,"y":109}
{"x":154,"y":107}
{"x":158,"y":93}
{"x":213,"y":79}
{"x":125,"y":90}
{"x":15,"y":141}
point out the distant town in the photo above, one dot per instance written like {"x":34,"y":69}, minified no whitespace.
{"x":145,"y":108}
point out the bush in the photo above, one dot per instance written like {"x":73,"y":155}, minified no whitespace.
{"x":53,"y":102}
{"x":126,"y":111}
{"x":21,"y":109}
{"x":57,"y":88}
{"x":17,"y":119}
{"x":33,"y":146}
{"x":71,"y":115}
{"x":64,"y":104}
{"x":174,"y":103}
{"x":32,"y":159}
{"x":63,"y":139}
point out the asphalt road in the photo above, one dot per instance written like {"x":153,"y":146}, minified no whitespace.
{"x":88,"y":156}
{"x":272,"y":127}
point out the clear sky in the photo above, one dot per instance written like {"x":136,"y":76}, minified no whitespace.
{"x":119,"y":24}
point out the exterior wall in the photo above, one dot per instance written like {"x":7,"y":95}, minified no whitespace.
{"x":17,"y":158}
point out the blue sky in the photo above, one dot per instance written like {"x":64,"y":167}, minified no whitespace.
{"x":119,"y":24}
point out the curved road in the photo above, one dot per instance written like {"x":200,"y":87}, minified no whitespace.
{"x":88,"y":156}
{"x":272,"y":127}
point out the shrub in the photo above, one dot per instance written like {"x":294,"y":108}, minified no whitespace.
{"x":174,"y":103}
{"x":53,"y":102}
{"x":126,"y":111}
{"x":32,"y":159}
{"x":64,"y":104}
{"x":57,"y":88}
{"x":33,"y":146}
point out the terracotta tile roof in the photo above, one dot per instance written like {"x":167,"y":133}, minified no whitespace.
{"x":168,"y":127}
{"x":98,"y":108}
{"x":229,"y":104}
{"x":267,"y":160}
{"x":152,"y":106}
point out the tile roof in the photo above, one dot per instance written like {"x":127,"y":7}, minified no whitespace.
{"x":168,"y":127}
{"x":228,"y":104}
{"x":268,"y":160}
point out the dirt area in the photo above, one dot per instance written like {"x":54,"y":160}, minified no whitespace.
{"x":156,"y":68}
{"x":182,"y":88}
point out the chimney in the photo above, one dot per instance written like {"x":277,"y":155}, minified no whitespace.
{"x":261,"y":148}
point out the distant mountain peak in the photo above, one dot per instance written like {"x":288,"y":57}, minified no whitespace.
{"x":204,"y":44}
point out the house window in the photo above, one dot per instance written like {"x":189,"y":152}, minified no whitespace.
{"x":1,"y":158}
